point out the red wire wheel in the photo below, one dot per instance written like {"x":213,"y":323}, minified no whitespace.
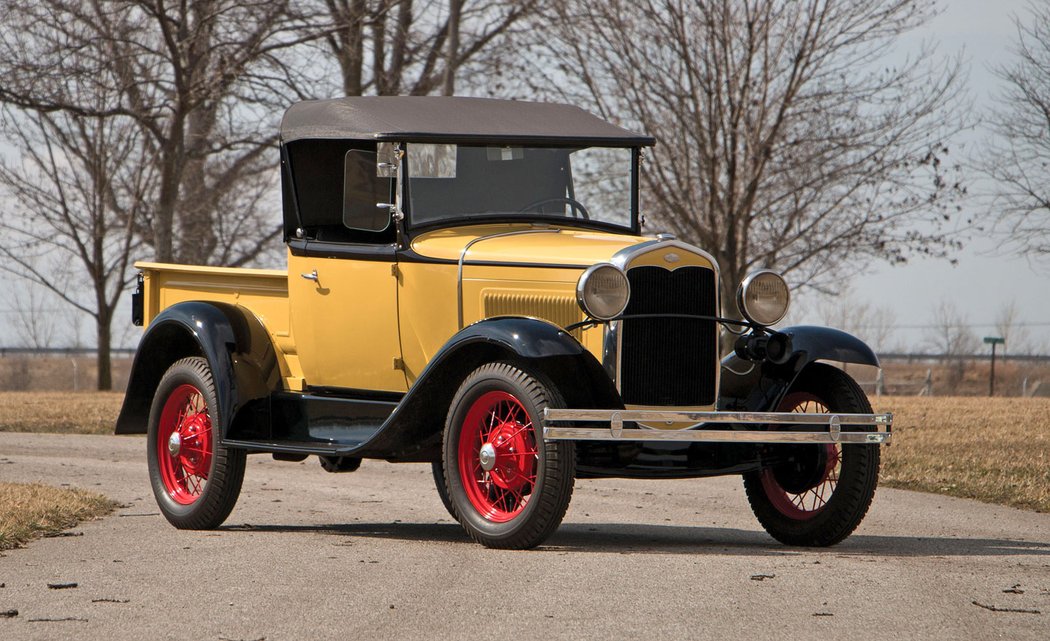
{"x":816,"y":494}
{"x":184,"y":444}
{"x":801,"y":493}
{"x":497,"y":456}
{"x":506,"y":486}
{"x":195,"y":478}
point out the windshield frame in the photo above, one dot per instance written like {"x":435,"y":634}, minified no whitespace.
{"x":524,"y":218}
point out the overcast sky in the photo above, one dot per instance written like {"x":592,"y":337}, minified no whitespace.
{"x":981,"y":283}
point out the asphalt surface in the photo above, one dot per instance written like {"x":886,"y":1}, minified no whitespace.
{"x":372,"y":554}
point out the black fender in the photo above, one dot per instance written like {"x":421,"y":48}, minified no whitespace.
{"x":413,"y":431}
{"x":233,"y":341}
{"x":758,"y":387}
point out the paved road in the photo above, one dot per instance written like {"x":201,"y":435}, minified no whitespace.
{"x":372,"y":554}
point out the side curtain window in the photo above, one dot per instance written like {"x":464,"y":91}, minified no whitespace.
{"x":335,"y":193}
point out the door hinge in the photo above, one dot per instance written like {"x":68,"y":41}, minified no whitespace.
{"x":399,"y":363}
{"x":394,"y":271}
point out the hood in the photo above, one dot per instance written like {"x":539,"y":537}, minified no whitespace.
{"x":523,"y":244}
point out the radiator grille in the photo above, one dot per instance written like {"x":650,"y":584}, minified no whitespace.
{"x":669,"y":361}
{"x":560,"y":310}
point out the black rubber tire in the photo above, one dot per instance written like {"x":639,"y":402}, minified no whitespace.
{"x":556,"y":461}
{"x":226,"y":473}
{"x":858,"y":474}
{"x":438,"y":470}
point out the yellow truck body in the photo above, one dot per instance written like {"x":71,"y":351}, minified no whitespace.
{"x":468,"y":285}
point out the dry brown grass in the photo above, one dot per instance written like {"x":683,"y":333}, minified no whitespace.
{"x":63,"y":412}
{"x":29,"y":511}
{"x":991,"y":449}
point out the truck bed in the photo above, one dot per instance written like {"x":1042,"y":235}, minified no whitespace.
{"x":263,"y":291}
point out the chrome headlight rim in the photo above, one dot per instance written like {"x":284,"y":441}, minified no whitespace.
{"x":581,"y":291}
{"x":741,"y":297}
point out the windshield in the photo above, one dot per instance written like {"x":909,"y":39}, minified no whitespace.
{"x":455,"y":182}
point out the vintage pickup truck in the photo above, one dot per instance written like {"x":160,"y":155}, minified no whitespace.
{"x":468,"y":285}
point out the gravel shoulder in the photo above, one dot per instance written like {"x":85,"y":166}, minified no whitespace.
{"x":307,"y":554}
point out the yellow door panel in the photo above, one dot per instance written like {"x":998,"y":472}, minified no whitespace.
{"x":345,"y":323}
{"x":429,"y":313}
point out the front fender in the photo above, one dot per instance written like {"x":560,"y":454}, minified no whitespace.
{"x":546,"y":350}
{"x":542,"y":348}
{"x":237,"y":347}
{"x":761,"y":386}
{"x":811,"y":344}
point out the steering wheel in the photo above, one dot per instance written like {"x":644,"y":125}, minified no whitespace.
{"x":577,"y":206}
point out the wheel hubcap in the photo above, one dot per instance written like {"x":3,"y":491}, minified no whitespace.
{"x":487,"y":456}
{"x":174,"y":444}
{"x":498,"y":457}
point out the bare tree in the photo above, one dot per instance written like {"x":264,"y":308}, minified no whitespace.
{"x":873,"y":323}
{"x":950,"y":335}
{"x":74,"y":198}
{"x":785,"y":139}
{"x":392,"y":47}
{"x":35,"y":321}
{"x":950,"y":332}
{"x":204,"y":81}
{"x":1018,"y":157}
{"x":1008,"y":326}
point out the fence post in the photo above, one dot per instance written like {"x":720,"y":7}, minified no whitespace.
{"x":75,"y":377}
{"x":879,"y":382}
{"x":927,"y":386}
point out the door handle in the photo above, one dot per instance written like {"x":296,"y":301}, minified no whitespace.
{"x":311,"y":276}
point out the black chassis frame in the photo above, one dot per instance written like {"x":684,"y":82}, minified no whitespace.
{"x":257,"y":415}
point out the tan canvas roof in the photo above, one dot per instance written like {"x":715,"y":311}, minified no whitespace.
{"x":452,"y":120}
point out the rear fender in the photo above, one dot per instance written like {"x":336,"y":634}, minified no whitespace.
{"x":761,"y":386}
{"x":235,"y":344}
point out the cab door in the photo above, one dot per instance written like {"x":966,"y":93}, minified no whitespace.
{"x":342,"y":283}
{"x":344,"y":318}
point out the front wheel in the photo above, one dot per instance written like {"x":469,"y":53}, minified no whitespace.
{"x":508,"y":487}
{"x":195,"y":479}
{"x":437,"y":469}
{"x":816,"y":495}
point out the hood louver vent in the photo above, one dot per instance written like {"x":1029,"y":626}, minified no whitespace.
{"x":560,"y":310}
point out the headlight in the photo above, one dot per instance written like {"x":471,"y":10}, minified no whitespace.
{"x":763,"y":297}
{"x":602,"y":291}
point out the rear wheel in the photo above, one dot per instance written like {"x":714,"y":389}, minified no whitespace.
{"x":816,"y":495}
{"x":507,"y":487}
{"x":195,"y":479}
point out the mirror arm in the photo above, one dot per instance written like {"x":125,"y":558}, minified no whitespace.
{"x":396,"y":211}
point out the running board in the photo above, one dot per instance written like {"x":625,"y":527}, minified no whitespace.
{"x":294,"y":447}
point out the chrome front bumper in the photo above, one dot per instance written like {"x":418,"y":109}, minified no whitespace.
{"x":740,"y":427}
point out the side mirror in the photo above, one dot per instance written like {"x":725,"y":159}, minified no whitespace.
{"x":364,"y":194}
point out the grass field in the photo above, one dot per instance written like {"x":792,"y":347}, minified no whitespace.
{"x":62,"y":412}
{"x":994,"y":450}
{"x":29,"y":511}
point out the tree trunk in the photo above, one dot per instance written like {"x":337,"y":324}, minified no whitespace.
{"x":103,"y":326}
{"x":451,"y":63}
{"x":353,"y":59}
